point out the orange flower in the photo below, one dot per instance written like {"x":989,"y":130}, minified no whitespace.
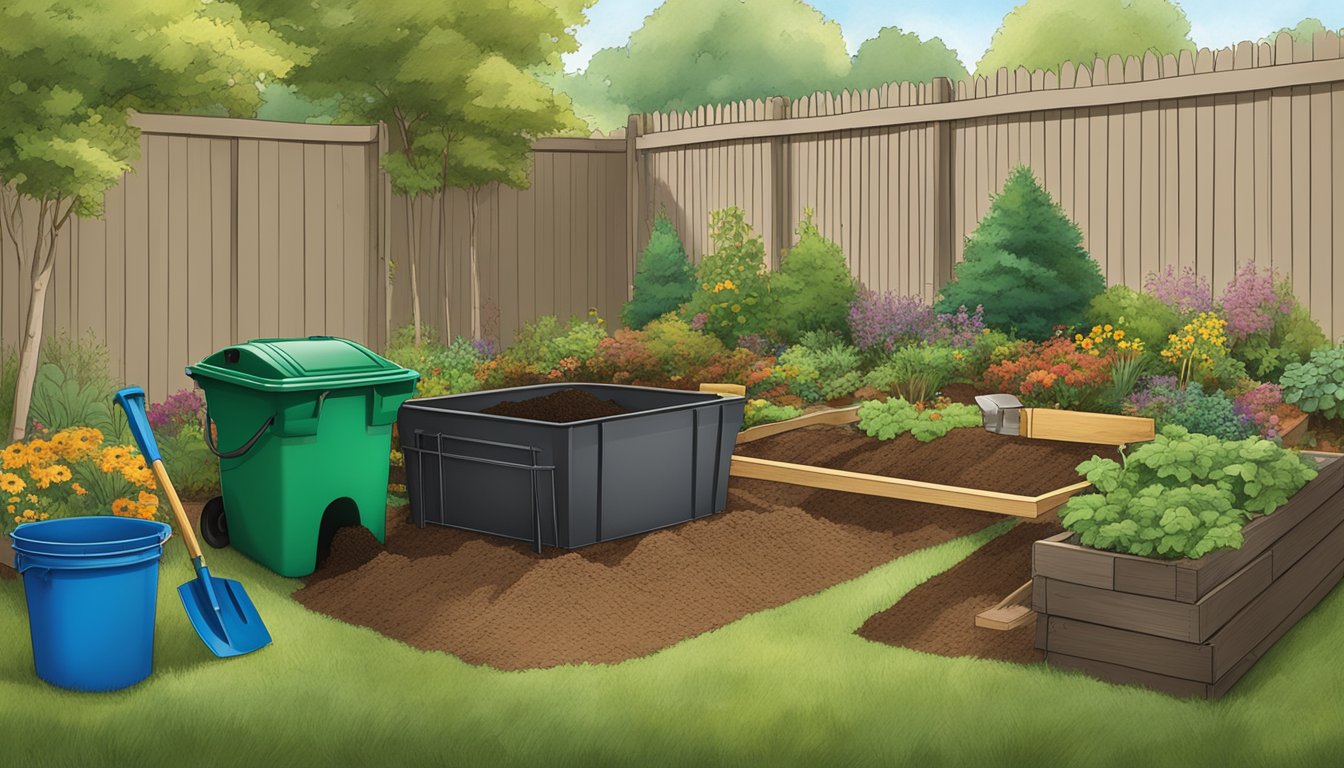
{"x":78,"y":489}
{"x":11,"y":483}
{"x":124,"y":508}
{"x":148,"y":499}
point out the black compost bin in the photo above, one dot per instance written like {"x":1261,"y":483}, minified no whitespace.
{"x":569,"y":484}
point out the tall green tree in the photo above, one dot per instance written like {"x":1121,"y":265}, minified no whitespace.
{"x":894,"y":56}
{"x":448,"y":77}
{"x":694,"y":52}
{"x":1302,"y":32}
{"x":1043,"y":34}
{"x":69,"y":74}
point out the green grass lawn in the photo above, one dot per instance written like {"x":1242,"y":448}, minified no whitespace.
{"x":788,"y":686}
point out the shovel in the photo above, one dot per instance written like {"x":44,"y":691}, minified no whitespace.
{"x":219,"y":609}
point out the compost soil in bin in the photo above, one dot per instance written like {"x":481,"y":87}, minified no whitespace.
{"x":938,"y":616}
{"x":493,"y":601}
{"x":560,"y":407}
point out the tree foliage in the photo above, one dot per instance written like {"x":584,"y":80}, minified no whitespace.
{"x":693,"y":52}
{"x":813,"y":287}
{"x":71,"y":73}
{"x":664,"y":279}
{"x":1025,"y":264}
{"x":895,"y":56}
{"x":1302,"y":32}
{"x":1042,"y":34}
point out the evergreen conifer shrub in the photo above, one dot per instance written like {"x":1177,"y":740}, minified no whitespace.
{"x":1025,"y":264}
{"x":664,"y":279}
{"x":813,"y":287}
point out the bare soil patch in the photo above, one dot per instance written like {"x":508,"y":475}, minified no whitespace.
{"x":493,"y":601}
{"x":559,"y":407}
{"x":938,"y":616}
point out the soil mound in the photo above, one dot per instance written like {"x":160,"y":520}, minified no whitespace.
{"x":559,"y":407}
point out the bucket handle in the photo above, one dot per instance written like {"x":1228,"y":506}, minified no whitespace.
{"x":247,"y":446}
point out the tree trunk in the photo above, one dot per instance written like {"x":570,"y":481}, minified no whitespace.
{"x":30,"y":347}
{"x":413,"y":239}
{"x":475,"y":272}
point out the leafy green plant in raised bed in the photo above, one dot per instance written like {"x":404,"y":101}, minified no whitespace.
{"x":821,"y":366}
{"x":1183,"y":494}
{"x":757,"y":412}
{"x":813,"y":287}
{"x":664,"y":279}
{"x":889,"y":419}
{"x":914,"y":373}
{"x":1317,"y":386}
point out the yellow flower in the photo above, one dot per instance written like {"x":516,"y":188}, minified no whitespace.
{"x":1119,"y":334}
{"x":14,"y":456}
{"x":148,"y":499}
{"x":11,"y":483}
{"x":39,"y":453}
{"x":78,"y":489}
{"x":1122,"y":344}
{"x":1109,"y":327}
{"x":123,"y":507}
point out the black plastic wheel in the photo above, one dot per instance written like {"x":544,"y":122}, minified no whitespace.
{"x":214,"y":526}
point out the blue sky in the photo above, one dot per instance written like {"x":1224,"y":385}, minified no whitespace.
{"x":967,"y":25}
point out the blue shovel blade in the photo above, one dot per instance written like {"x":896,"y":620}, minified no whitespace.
{"x":234,"y":629}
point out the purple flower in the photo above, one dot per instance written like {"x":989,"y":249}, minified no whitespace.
{"x":180,"y":409}
{"x":885,"y":320}
{"x":1258,"y":406}
{"x":485,"y":347}
{"x":959,"y":329}
{"x":753,"y":342}
{"x":1251,"y":304}
{"x":698,"y":322}
{"x":1184,"y":291}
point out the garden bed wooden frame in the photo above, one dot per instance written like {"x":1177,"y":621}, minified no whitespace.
{"x":907,"y":490}
{"x":1191,"y":627}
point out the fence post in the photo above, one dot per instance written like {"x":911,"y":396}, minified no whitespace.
{"x":781,"y":186}
{"x":939,"y":245}
{"x":634,"y":200}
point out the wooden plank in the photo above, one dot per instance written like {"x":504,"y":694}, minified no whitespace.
{"x":291,"y":296}
{"x":1084,"y":427}
{"x":1010,"y":613}
{"x":1160,"y":655}
{"x":1322,"y":248}
{"x":335,"y":313}
{"x":1142,"y":576}
{"x":1056,"y":558}
{"x":269,"y":224}
{"x":362,"y":275}
{"x":247,"y":310}
{"x":1281,"y":181}
{"x":1204,"y":191}
{"x":230,"y":127}
{"x":198,"y":258}
{"x":1244,"y":172}
{"x":887,"y":487}
{"x":178,"y":299}
{"x":139,"y":258}
{"x":1126,"y":675}
{"x":1224,"y":173}
{"x":1188,"y":622}
{"x":1301,"y":186}
{"x":1200,"y":84}
{"x":1337,"y":201}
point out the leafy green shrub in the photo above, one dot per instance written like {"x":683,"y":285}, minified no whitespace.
{"x":1025,"y":264}
{"x":914,"y":373}
{"x":668,"y":353}
{"x":1140,"y":314}
{"x":732,"y":296}
{"x":1291,"y":339}
{"x":1200,"y":413}
{"x":1317,"y":386}
{"x":757,"y":412}
{"x":888,"y":419}
{"x":813,"y":287}
{"x":664,"y":279}
{"x":195,"y":469}
{"x":1183,"y":494}
{"x":444,"y":369}
{"x":821,"y":367}
{"x":74,"y":387}
{"x":9,"y":380}
{"x":545,"y":350}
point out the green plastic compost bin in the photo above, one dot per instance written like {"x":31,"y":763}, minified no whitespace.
{"x":303,"y":427}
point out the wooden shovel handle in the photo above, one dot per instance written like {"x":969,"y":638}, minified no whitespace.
{"x":180,"y":514}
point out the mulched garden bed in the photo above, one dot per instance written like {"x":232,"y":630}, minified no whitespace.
{"x":560,"y":407}
{"x":938,"y":616}
{"x":493,"y":601}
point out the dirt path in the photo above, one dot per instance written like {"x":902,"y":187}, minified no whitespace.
{"x":492,"y":601}
{"x":938,"y":616}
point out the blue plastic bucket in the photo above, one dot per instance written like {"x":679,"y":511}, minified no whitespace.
{"x":92,"y":586}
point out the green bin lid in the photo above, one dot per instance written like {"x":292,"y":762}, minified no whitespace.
{"x":286,"y":365}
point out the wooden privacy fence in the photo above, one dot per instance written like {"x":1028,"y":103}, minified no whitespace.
{"x":226,"y":230}
{"x":234,"y":229}
{"x":1206,"y":160}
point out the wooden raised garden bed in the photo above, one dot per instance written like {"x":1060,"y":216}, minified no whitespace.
{"x":1191,"y":627}
{"x":1055,"y":425}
